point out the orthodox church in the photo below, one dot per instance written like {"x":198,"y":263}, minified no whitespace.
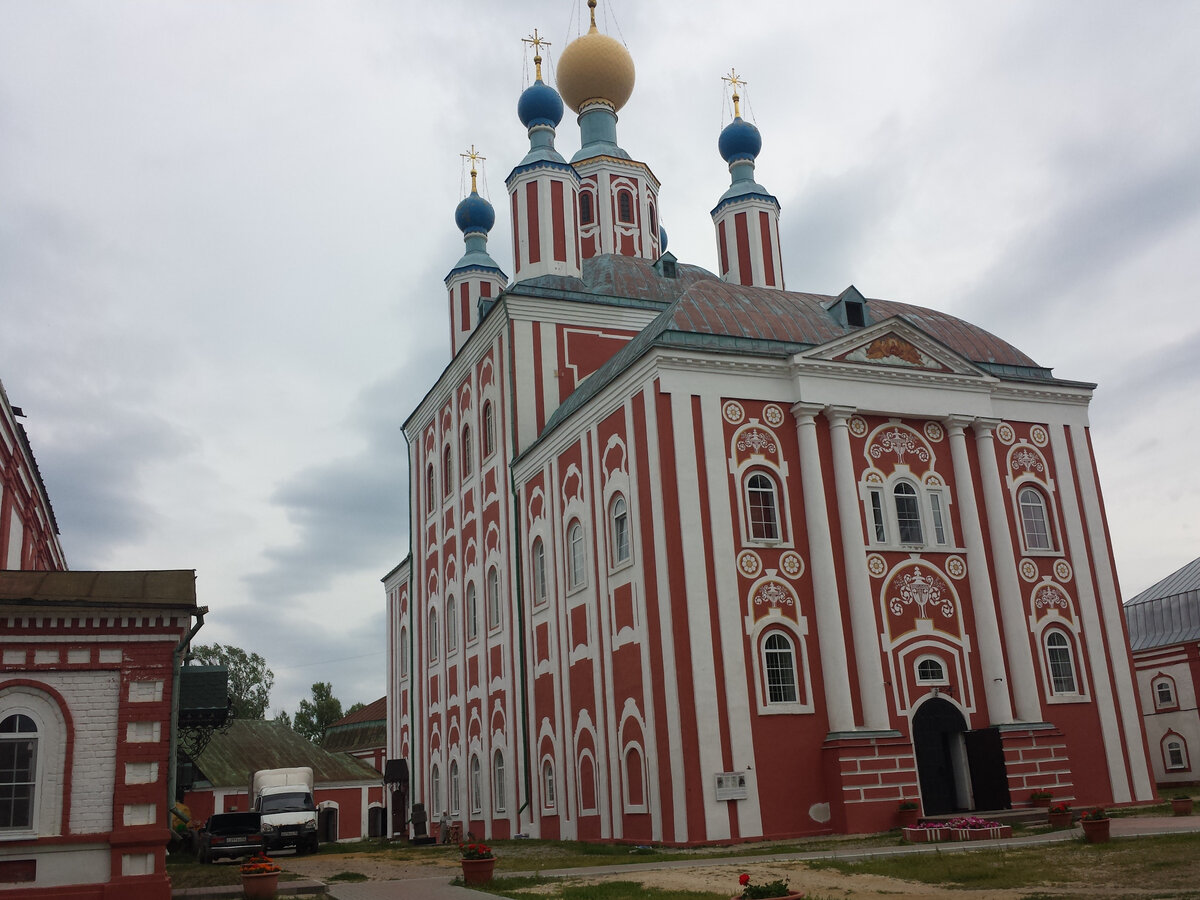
{"x":696,"y":557}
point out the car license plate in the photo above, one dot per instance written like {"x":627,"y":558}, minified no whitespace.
{"x":236,"y":840}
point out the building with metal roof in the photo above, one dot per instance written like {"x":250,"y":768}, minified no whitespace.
{"x":362,"y":734}
{"x":697,"y":556}
{"x":1164,"y":632}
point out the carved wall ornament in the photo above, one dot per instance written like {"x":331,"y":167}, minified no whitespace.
{"x":933,"y":479}
{"x":1024,"y":458}
{"x":956,"y":568}
{"x":1038,"y":435}
{"x":749,"y":563}
{"x":1005,"y":433}
{"x":733,"y":412}
{"x":756,"y":441}
{"x":873,"y":476}
{"x":773,"y":415}
{"x":1063,"y":571}
{"x":792,"y":564}
{"x":876,"y":565}
{"x":1049,"y":596}
{"x":1028,"y":570}
{"x":921,"y":590}
{"x":773,"y":593}
{"x":934,"y":431}
{"x":901,"y":442}
{"x":857,"y":426}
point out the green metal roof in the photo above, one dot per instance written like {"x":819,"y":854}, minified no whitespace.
{"x":234,"y":755}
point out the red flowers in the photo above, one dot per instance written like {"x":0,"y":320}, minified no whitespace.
{"x":475,"y":851}
{"x":744,"y":879}
{"x":259,"y":864}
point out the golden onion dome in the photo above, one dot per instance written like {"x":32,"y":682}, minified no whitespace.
{"x":595,"y":67}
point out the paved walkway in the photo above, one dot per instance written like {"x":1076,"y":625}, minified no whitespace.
{"x":437,"y":887}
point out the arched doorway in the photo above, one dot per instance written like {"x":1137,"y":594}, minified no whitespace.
{"x":938,"y":739}
{"x":327,"y":824}
{"x":376,"y":822}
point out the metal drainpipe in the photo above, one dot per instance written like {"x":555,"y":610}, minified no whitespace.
{"x":174,"y":745}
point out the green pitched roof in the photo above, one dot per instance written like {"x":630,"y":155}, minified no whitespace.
{"x":234,"y":755}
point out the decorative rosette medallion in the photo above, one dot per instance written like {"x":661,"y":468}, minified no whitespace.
{"x":1063,"y":570}
{"x":772,"y":415}
{"x":956,"y":568}
{"x":791,"y":564}
{"x":749,"y":563}
{"x":1028,"y":570}
{"x":934,"y":431}
{"x":733,"y":412}
{"x":857,"y":426}
{"x":1005,"y":433}
{"x":876,"y":565}
{"x":1038,"y":435}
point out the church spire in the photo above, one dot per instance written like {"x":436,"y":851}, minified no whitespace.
{"x":475,"y":277}
{"x":747,"y":216}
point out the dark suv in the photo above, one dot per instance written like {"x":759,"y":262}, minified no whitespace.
{"x":229,"y":834}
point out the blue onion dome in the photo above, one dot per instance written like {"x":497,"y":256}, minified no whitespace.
{"x":662,"y":239}
{"x":540,"y":104}
{"x":474,"y":214}
{"x":739,"y":140}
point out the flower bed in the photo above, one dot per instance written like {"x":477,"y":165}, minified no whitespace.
{"x":973,"y":828}
{"x":928,"y":833}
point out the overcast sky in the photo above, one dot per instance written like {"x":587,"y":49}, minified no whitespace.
{"x":224,"y":228}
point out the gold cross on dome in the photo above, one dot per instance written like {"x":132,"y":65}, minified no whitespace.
{"x":735,"y":81}
{"x":538,"y":43}
{"x":473,"y":155}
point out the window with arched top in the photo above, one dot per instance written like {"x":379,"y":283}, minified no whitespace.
{"x":451,"y":624}
{"x":447,"y":472}
{"x":779,"y":667}
{"x":453,"y":786}
{"x":1164,"y":692}
{"x":1174,"y":752}
{"x":908,"y":513}
{"x":489,"y":430}
{"x":476,"y":786}
{"x":762,"y":507}
{"x":403,"y":652}
{"x":930,"y":671}
{"x":433,"y":635}
{"x":472,"y":612}
{"x":435,"y":789}
{"x":538,"y":571}
{"x":18,"y":771}
{"x":576,"y":557}
{"x":625,"y":206}
{"x":587,"y":213}
{"x":1061,"y":662}
{"x":430,"y":489}
{"x":498,"y":782}
{"x":1034,"y":521}
{"x":619,"y":517}
{"x":653,"y":222}
{"x":493,"y":598}
{"x":549,"y":793}
{"x":468,"y":462}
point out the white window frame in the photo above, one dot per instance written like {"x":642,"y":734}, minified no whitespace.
{"x":1042,"y":509}
{"x":466,"y":456}
{"x":750,"y":490}
{"x":622,"y":553}
{"x":453,"y":788}
{"x":498,"y":783}
{"x":489,"y":429}
{"x":1066,"y":647}
{"x":435,"y":790}
{"x":1173,"y":742}
{"x":476,"y":786}
{"x":549,"y":793}
{"x":22,"y":735}
{"x":576,"y":556}
{"x":433,"y":636}
{"x":1164,"y":681}
{"x":493,"y":599}
{"x":537,"y":571}
{"x":451,"y":625}
{"x":471,"y":610}
{"x":923,"y":678}
{"x":912,"y":495}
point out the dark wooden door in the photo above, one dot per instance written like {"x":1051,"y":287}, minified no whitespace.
{"x":989,"y":776}
{"x":934,"y":727}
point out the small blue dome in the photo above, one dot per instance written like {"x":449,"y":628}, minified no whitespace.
{"x":739,"y":140}
{"x":540,"y":104}
{"x":474,"y":214}
{"x":662,"y":239}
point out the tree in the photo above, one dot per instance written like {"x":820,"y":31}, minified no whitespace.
{"x":355,"y":707}
{"x":250,"y":681}
{"x":312,"y":718}
{"x":283,"y":718}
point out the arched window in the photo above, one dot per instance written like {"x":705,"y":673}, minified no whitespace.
{"x":653,"y":222}
{"x":447,"y":472}
{"x":18,"y":771}
{"x":931,"y":671}
{"x":451,"y":624}
{"x":489,"y":430}
{"x":549,"y":798}
{"x":539,"y":572}
{"x":1164,"y":693}
{"x":498,"y":781}
{"x":576,"y":558}
{"x":454,"y":805}
{"x":476,"y":786}
{"x":587,"y":214}
{"x":779,"y":665}
{"x":433,"y":635}
{"x":1174,"y":752}
{"x":908,"y":513}
{"x":472,"y":613}
{"x":435,"y":791}
{"x":403,"y":652}
{"x":1062,"y":664}
{"x":1033,"y":519}
{"x":467,"y":457}
{"x":493,"y":598}
{"x":624,"y":206}
{"x":762,"y":507}
{"x":430,"y":489}
{"x":620,"y":530}
{"x":635,"y":780}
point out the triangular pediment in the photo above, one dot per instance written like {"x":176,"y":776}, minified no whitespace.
{"x":895,"y":343}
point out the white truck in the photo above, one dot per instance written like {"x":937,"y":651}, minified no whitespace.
{"x":284,"y":797}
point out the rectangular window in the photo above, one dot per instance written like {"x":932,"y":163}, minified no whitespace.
{"x":17,"y":764}
{"x":877,"y":517}
{"x":939,"y":529}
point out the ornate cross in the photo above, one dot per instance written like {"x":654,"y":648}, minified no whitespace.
{"x":734,"y":82}
{"x":538,"y":43}
{"x":473,"y":155}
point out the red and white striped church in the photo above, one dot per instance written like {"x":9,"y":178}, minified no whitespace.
{"x":699,"y":558}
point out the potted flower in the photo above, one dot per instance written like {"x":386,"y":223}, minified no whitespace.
{"x":908,"y":813}
{"x":1041,"y":799}
{"x":478,"y":863}
{"x":1060,"y":815}
{"x":770,"y":890}
{"x":260,"y":877}
{"x":1095,"y":824}
{"x":1181,"y":805}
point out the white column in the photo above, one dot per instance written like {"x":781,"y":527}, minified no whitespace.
{"x":830,"y":634}
{"x":1012,"y":608}
{"x":863,"y":624}
{"x":987,"y":627}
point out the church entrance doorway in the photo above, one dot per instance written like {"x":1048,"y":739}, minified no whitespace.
{"x":938,"y":734}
